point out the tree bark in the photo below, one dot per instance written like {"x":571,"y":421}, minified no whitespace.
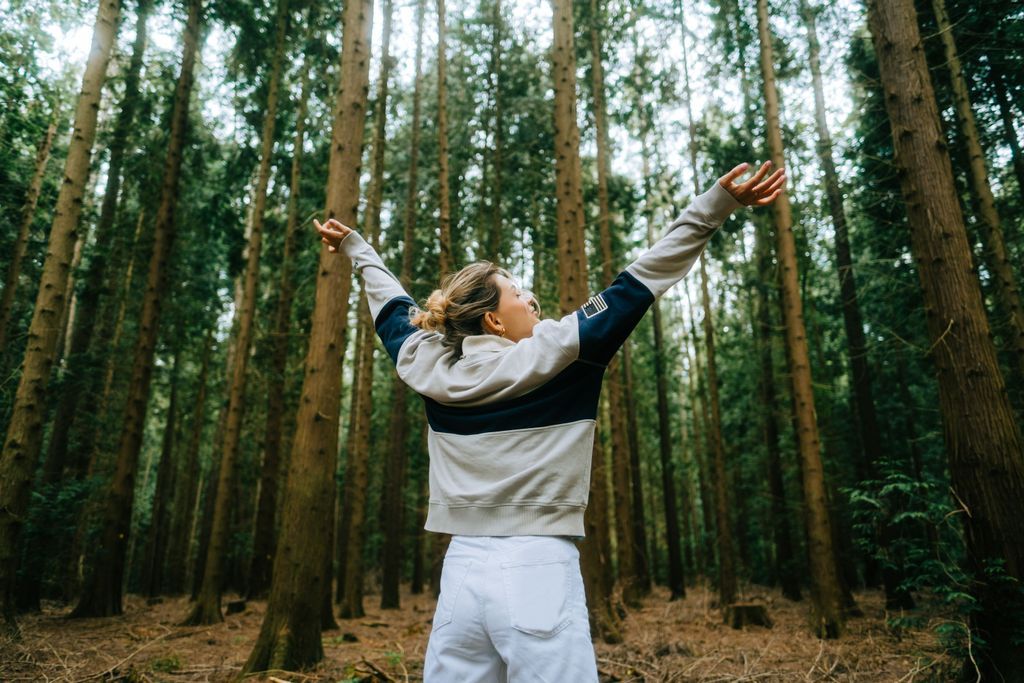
{"x":265,"y":533}
{"x":28,"y":211}
{"x":206,"y":609}
{"x":997,"y":258}
{"x":572,"y":270}
{"x":101,"y":594}
{"x":25,"y":429}
{"x":444,"y":200}
{"x":826,"y":615}
{"x":983,"y":441}
{"x":81,"y":367}
{"x":178,"y":551}
{"x":290,"y":635}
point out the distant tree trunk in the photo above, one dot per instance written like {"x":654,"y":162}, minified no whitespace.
{"x":572,"y":267}
{"x":152,"y":579}
{"x":997,"y":258}
{"x":701,"y":438}
{"x":28,"y":212}
{"x":983,"y":441}
{"x":621,"y":471}
{"x":826,"y":617}
{"x":206,"y":609}
{"x":290,"y":636}
{"x":265,"y":533}
{"x":497,"y":155}
{"x":787,"y":571}
{"x":998,"y":81}
{"x":81,"y":368}
{"x":25,"y":429}
{"x":392,"y":501}
{"x":101,"y":593}
{"x":178,"y":550}
{"x":444,"y":200}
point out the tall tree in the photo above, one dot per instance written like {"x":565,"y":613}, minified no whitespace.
{"x":572,"y":291}
{"x":206,"y":609}
{"x":983,"y":441}
{"x":25,"y":429}
{"x":391,"y":501}
{"x":997,"y":257}
{"x":101,"y":592}
{"x":81,"y":368}
{"x":28,"y":212}
{"x":444,"y":200}
{"x":498,"y":133}
{"x":356,"y":472}
{"x":856,"y":343}
{"x":826,"y":615}
{"x":290,"y":635}
{"x":265,"y":532}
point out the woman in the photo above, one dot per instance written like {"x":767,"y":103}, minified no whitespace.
{"x":511,"y":402}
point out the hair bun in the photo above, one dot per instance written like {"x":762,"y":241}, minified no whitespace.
{"x":433,"y":318}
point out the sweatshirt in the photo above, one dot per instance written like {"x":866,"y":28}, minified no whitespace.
{"x":511,"y":424}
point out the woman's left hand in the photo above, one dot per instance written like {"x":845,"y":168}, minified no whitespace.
{"x":758,"y":191}
{"x":332,"y":233}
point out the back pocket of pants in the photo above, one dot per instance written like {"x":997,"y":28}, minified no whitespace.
{"x":453,"y":575}
{"x":538,"y":595}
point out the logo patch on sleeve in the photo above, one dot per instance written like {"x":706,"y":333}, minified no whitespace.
{"x":595,"y":304}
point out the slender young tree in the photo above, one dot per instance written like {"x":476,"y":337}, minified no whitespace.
{"x":572,"y":268}
{"x":25,"y":429}
{"x":826,"y":611}
{"x":290,"y":636}
{"x":206,"y":609}
{"x":498,"y":132}
{"x":395,"y":468}
{"x":93,"y":292}
{"x":443,"y":191}
{"x":997,"y":258}
{"x":101,"y":592}
{"x":265,"y":533}
{"x":983,"y":440}
{"x":28,"y":212}
{"x":357,"y":467}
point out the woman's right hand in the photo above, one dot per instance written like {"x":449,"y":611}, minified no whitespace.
{"x":332,"y":233}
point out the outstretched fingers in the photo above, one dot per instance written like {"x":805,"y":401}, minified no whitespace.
{"x":770,"y":183}
{"x":735,"y":173}
{"x":756,"y":178}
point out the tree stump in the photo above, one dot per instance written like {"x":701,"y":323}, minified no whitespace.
{"x":742,"y":614}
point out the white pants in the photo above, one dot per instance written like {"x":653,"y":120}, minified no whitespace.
{"x":512,"y":608}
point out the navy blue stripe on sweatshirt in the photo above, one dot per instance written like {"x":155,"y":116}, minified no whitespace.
{"x":569,"y":396}
{"x":393,"y":326}
{"x":608,"y":318}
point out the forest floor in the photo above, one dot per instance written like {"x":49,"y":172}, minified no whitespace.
{"x":664,"y":641}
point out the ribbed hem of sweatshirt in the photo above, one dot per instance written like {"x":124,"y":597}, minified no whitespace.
{"x":506,"y":520}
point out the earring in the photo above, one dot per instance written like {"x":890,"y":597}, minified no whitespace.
{"x":502,"y":333}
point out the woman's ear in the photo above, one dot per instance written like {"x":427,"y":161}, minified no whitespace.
{"x":491,"y":323}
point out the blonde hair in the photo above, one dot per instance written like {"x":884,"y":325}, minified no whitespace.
{"x":457,"y":309}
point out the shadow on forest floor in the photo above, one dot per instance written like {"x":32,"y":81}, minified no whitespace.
{"x":679,"y":641}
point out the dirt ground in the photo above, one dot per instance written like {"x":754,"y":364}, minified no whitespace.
{"x":678,"y":641}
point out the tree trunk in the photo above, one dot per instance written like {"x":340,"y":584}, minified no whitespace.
{"x":787,"y":570}
{"x":998,"y":81}
{"x":997,"y":258}
{"x":983,"y":441}
{"x":392,"y":502}
{"x":178,"y":551}
{"x":826,"y":617}
{"x":444,"y":201}
{"x":81,"y":367}
{"x":25,"y":429}
{"x":290,"y":635}
{"x":572,"y":270}
{"x":206,"y":609}
{"x":497,"y":155}
{"x":28,"y":211}
{"x":101,"y":594}
{"x":265,"y":533}
{"x":152,"y":579}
